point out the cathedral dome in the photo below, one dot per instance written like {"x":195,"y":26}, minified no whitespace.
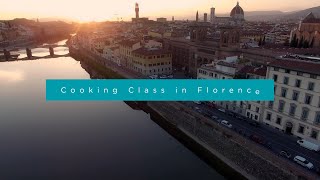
{"x":237,"y":12}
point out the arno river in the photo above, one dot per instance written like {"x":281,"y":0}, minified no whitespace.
{"x":81,"y":140}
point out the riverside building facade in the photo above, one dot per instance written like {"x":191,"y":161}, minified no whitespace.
{"x":152,"y":61}
{"x":296,"y":108}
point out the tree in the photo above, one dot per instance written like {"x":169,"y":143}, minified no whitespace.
{"x":306,"y":44}
{"x":312,"y":42}
{"x":293,"y":42}
{"x":260,"y":41}
{"x":300,"y":45}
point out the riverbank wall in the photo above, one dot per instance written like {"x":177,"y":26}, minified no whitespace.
{"x":233,"y":156}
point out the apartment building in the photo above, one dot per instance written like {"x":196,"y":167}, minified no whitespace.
{"x":224,"y":69}
{"x":125,"y":50}
{"x":152,"y":61}
{"x":254,"y":109}
{"x":296,"y":108}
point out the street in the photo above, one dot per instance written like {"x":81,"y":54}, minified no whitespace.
{"x":279,"y":141}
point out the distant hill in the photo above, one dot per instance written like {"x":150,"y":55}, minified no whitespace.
{"x":280,"y":16}
{"x":301,"y":14}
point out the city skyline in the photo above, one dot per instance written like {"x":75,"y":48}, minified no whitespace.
{"x":97,"y":10}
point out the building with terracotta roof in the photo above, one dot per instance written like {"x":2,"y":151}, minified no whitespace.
{"x":152,"y":61}
{"x":308,"y":32}
{"x":125,"y":51}
{"x":296,"y":108}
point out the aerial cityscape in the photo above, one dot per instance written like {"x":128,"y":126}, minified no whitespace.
{"x":218,"y":40}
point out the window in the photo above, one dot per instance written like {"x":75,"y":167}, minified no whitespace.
{"x":279,"y":120}
{"x":270,"y":104}
{"x":248,"y":114}
{"x":301,"y":130}
{"x":287,"y":71}
{"x":256,"y":117}
{"x":268,"y":117}
{"x":283,"y":92}
{"x":276,"y":69}
{"x":295,"y":96}
{"x":281,"y":106}
{"x":311,"y":86}
{"x":249,"y":106}
{"x":275,"y":78}
{"x":298,"y":83}
{"x":314,"y":134}
{"x":305,"y":113}
{"x":257,"y":109}
{"x":286,"y":80}
{"x":299,"y":73}
{"x":292,"y":110}
{"x":313,"y":76}
{"x":317,"y":120}
{"x":308,"y":99}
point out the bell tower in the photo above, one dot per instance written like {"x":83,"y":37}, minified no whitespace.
{"x":137,"y":10}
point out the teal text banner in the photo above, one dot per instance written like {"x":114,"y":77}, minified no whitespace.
{"x":159,"y":90}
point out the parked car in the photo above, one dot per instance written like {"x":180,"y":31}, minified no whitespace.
{"x":226,"y":123}
{"x":222,"y":110}
{"x":197,"y":102}
{"x":309,"y":145}
{"x":153,"y":77}
{"x":285,"y":154}
{"x":254,"y":123}
{"x":303,"y":162}
{"x":163,"y":77}
{"x":257,"y":139}
{"x":214,"y":118}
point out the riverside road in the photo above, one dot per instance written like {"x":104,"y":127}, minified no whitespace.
{"x":279,"y":140}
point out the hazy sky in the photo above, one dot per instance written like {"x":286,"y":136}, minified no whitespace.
{"x":111,"y":9}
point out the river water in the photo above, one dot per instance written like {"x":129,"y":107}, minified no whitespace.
{"x":81,"y":140}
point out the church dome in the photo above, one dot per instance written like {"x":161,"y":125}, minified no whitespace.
{"x":237,"y":12}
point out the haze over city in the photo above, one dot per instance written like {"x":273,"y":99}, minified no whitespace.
{"x":99,"y":10}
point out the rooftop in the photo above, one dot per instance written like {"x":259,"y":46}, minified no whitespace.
{"x":297,"y":65}
{"x":128,"y":42}
{"x":151,"y":51}
{"x":223,"y":63}
{"x":260,"y":71}
{"x":310,"y":18}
